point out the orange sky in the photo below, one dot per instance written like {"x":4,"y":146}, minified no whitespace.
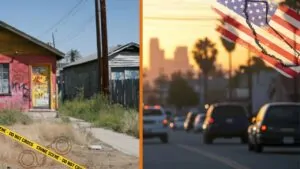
{"x":172,"y":33}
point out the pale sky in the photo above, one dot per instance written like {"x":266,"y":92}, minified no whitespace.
{"x":172,"y":33}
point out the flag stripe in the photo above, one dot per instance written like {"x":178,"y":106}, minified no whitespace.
{"x":288,"y":35}
{"x":251,"y":41}
{"x":279,"y":28}
{"x":290,"y":12}
{"x":285,"y":24}
{"x":276,"y":47}
{"x":288,"y":72}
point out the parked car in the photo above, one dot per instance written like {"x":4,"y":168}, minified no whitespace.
{"x":199,"y":121}
{"x":155,"y":123}
{"x":276,"y":125}
{"x":178,"y":123}
{"x":225,"y":120}
{"x":189,"y":121}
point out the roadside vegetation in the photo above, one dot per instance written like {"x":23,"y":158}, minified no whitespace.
{"x":101,"y":113}
{"x":13,"y":116}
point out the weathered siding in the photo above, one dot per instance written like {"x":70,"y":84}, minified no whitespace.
{"x":21,"y":54}
{"x":123,"y":75}
{"x":82,"y":76}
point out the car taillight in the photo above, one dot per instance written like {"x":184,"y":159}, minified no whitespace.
{"x":165,"y":122}
{"x":263,"y":128}
{"x":211,"y":120}
{"x":197,"y":119}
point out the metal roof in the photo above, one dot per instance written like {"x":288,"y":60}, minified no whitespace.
{"x":51,"y":49}
{"x":111,"y":51}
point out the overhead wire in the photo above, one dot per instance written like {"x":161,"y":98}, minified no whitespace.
{"x":72,"y":36}
{"x":64,"y":17}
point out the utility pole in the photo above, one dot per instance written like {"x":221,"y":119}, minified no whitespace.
{"x":105,"y":72}
{"x":53,"y":40}
{"x":99,"y":50}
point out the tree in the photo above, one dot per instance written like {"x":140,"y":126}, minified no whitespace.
{"x":190,"y":74}
{"x":230,"y":47}
{"x":160,"y":83}
{"x":205,"y":55}
{"x":180,"y":93}
{"x":294,"y":4}
{"x":73,"y":55}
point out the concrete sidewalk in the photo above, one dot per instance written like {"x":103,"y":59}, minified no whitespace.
{"x":119,"y":141}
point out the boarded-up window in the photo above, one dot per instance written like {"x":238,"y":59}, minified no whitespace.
{"x":4,"y":78}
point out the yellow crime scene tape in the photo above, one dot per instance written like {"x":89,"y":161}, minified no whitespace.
{"x":39,"y":148}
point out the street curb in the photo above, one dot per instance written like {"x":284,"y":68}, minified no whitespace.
{"x":119,"y":141}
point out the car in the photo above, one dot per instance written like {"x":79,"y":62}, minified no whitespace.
{"x":178,"y":123}
{"x":189,"y":121}
{"x":275,"y":125}
{"x":225,"y":120}
{"x":155,"y":123}
{"x":198,"y":123}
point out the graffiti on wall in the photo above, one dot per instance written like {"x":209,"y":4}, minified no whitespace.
{"x":40,"y":86}
{"x":19,"y":84}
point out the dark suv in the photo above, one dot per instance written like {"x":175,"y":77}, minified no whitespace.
{"x":276,"y":124}
{"x":225,"y":120}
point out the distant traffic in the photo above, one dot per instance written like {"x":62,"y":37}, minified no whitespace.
{"x":275,"y":125}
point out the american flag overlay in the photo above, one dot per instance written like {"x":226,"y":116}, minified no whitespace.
{"x":270,"y":30}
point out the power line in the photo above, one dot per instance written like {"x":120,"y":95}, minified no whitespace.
{"x":64,"y":17}
{"x":83,"y":29}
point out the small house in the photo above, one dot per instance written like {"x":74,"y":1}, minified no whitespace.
{"x":27,"y":71}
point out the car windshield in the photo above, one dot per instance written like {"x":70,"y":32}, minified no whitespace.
{"x":222,"y":112}
{"x":152,"y":112}
{"x":283,"y":114}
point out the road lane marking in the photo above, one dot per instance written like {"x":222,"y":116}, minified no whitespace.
{"x":227,"y":161}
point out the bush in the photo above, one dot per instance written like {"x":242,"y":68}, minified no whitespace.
{"x":11,"y":116}
{"x":102,"y":113}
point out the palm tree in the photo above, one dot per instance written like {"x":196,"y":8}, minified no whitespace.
{"x":205,"y":55}
{"x":73,"y":55}
{"x":230,"y":47}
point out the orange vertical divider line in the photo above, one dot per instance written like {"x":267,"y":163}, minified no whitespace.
{"x":141,"y":146}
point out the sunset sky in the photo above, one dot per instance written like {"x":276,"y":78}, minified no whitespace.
{"x":173,"y":33}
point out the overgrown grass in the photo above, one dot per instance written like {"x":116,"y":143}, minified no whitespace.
{"x":101,"y":113}
{"x":13,"y":116}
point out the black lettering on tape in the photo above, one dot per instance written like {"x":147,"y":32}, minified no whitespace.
{"x":17,"y":137}
{"x":70,"y":163}
{"x":53,"y":155}
{"x":24,"y":140}
{"x":3,"y":130}
{"x":11,"y":133}
{"x":78,"y":167}
{"x":64,"y":160}
{"x":41,"y":149}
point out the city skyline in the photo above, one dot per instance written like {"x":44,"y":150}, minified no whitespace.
{"x":160,"y":63}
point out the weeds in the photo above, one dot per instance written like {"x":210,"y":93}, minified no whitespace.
{"x":102,"y":113}
{"x":11,"y":116}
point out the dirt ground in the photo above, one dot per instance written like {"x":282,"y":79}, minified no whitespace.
{"x":63,"y":139}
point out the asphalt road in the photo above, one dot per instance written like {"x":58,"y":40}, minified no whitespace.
{"x":186,"y":151}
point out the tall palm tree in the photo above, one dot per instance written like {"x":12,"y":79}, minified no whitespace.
{"x":73,"y":55}
{"x":205,"y":55}
{"x":230,"y":47}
